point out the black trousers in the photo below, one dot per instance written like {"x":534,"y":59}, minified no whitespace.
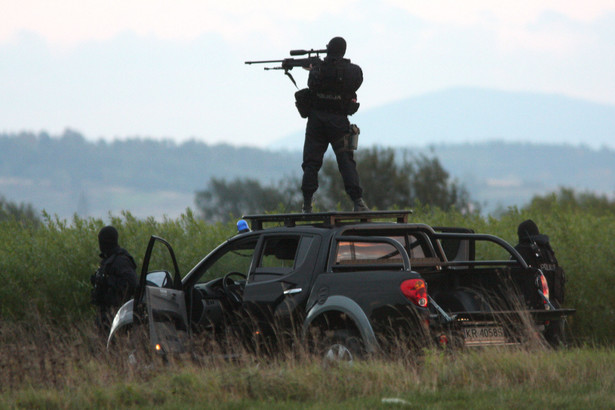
{"x":324,"y":128}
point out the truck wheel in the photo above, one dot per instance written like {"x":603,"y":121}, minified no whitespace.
{"x":556,"y":334}
{"x":341,"y":346}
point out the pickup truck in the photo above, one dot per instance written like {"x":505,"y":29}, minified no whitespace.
{"x":344,"y":284}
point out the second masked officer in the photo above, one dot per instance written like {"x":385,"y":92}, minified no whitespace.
{"x":331,"y":98}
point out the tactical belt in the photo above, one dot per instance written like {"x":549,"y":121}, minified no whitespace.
{"x":336,"y":97}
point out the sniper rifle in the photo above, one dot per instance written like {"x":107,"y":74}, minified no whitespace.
{"x":289,"y":63}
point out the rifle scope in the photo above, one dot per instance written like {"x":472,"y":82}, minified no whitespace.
{"x":303,"y":52}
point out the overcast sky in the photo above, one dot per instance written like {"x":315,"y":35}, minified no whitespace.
{"x":174,"y":69}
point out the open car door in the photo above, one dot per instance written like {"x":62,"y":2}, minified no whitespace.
{"x":160,"y":302}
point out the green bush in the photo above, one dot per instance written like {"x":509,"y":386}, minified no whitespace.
{"x":45,"y":268}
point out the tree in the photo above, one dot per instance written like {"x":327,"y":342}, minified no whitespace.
{"x":385,"y":184}
{"x":388,"y":182}
{"x":224,"y":200}
{"x":567,"y":198}
{"x":431,"y":185}
{"x":20,"y":212}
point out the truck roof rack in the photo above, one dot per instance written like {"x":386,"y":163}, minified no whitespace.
{"x":326,"y":218}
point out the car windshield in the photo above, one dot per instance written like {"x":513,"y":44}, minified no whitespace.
{"x":236,"y":257}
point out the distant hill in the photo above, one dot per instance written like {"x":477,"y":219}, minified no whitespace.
{"x":501,"y":174}
{"x":463,"y":115}
{"x":68,"y":174}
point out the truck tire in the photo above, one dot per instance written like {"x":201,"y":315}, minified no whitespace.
{"x":341,"y":346}
{"x":556,"y":334}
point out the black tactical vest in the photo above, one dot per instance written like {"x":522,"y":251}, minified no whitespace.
{"x":333,"y":85}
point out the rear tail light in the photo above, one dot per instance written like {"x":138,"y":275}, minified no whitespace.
{"x":415,"y":290}
{"x":542,"y":284}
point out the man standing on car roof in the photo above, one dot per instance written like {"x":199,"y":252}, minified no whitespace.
{"x":332,"y":97}
{"x":115,"y":280}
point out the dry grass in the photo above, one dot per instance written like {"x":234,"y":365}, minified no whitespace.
{"x":71,"y":369}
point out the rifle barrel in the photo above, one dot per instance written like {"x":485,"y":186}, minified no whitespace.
{"x":264,"y":62}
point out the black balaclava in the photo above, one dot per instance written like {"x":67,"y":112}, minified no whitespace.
{"x":526,"y":230}
{"x":336,"y":48}
{"x":107,"y":240}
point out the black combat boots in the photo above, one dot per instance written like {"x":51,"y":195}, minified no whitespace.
{"x":307,"y":206}
{"x":360,"y":206}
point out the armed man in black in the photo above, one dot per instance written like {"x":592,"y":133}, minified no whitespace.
{"x":115,"y":280}
{"x":537,"y":252}
{"x":333,"y":85}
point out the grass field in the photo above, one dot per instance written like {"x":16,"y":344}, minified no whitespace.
{"x":42,"y":368}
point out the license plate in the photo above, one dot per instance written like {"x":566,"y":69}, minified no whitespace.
{"x":483,"y":335}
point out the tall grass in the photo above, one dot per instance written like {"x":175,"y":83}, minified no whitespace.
{"x":43,"y":367}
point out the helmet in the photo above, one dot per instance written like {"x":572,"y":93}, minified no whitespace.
{"x":336,"y":47}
